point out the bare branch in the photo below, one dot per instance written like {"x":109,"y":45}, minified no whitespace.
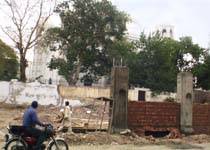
{"x":27,"y":24}
{"x":13,"y":39}
{"x":39,"y":32}
{"x":27,"y":21}
{"x":18,"y":14}
{"x":35,"y":27}
{"x":30,"y":15}
{"x":40,"y":24}
{"x":26,"y":10}
{"x":13,"y":18}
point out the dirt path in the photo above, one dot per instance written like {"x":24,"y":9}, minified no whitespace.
{"x":204,"y":146}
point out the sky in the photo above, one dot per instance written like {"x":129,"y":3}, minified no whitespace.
{"x":189,"y":17}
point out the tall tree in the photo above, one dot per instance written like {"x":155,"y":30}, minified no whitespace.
{"x":154,"y":66}
{"x":188,"y":54}
{"x":160,"y":59}
{"x":8,"y":62}
{"x":89,"y":30}
{"x":25,"y":20}
{"x":202,"y":73}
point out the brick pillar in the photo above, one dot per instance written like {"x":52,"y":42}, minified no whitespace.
{"x":119,"y":94}
{"x":185,"y":97}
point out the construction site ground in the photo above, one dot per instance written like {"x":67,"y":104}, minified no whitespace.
{"x":11,"y":114}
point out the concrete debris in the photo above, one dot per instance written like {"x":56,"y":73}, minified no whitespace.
{"x":114,"y":143}
{"x":126,"y":132}
{"x":201,"y":138}
{"x":150,"y":138}
{"x":174,"y":134}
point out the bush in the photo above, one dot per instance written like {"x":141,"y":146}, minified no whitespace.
{"x":169,"y":99}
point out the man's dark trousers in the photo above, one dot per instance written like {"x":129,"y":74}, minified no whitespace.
{"x":37,"y":133}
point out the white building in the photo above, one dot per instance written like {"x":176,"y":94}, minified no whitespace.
{"x":165,"y":30}
{"x":38,"y":69}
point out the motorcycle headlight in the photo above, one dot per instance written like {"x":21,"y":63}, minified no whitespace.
{"x":6,"y":137}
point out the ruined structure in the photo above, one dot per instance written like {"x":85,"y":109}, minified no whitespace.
{"x":119,"y":94}
{"x":185,"y":97}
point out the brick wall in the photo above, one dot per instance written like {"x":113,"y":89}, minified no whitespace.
{"x":164,"y":116}
{"x":153,"y":116}
{"x":201,"y":118}
{"x":201,"y":96}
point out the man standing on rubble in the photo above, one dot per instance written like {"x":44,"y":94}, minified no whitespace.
{"x":67,"y":116}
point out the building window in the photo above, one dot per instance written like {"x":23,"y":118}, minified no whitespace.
{"x":141,"y":95}
{"x":164,"y":31}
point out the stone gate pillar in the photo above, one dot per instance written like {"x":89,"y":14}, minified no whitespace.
{"x":119,"y":94}
{"x":185,"y":97}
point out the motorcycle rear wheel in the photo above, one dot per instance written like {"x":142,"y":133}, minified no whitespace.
{"x":61,"y":144}
{"x":15,"y":144}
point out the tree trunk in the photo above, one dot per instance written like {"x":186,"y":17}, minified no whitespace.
{"x":74,"y":76}
{"x":23,"y":65}
{"x":71,"y":80}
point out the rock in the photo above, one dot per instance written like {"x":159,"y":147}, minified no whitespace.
{"x":134,"y":135}
{"x":150,"y":138}
{"x":126,"y":132}
{"x":17,"y":118}
{"x":174,"y":133}
{"x":114,"y":143}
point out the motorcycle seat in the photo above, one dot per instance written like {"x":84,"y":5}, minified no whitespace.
{"x":17,"y":129}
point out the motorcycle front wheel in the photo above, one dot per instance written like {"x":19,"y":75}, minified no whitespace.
{"x":62,"y":145}
{"x":15,"y":144}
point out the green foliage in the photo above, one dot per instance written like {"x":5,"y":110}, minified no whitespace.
{"x":155,"y":67}
{"x":154,"y":94}
{"x":159,"y":60}
{"x":90,"y":32}
{"x":8,"y":62}
{"x":123,"y":50}
{"x":169,"y":99}
{"x":186,"y":47}
{"x":202,"y":72}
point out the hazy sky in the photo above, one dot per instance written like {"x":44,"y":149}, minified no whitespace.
{"x":189,"y":17}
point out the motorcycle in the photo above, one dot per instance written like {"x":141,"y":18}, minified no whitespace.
{"x":19,"y":140}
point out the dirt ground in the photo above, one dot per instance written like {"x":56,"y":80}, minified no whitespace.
{"x":12,"y":114}
{"x":144,"y":147}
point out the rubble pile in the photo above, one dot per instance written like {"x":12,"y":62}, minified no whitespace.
{"x":12,"y":114}
{"x":103,"y":138}
{"x":201,"y":138}
{"x":90,"y":112}
{"x":174,"y":134}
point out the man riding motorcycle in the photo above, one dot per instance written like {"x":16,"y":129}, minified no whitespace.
{"x":30,"y":120}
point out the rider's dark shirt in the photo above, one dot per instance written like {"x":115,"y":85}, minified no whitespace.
{"x":30,"y":118}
